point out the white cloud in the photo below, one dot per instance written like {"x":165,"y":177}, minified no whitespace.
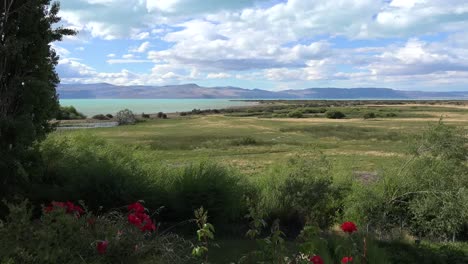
{"x":126,"y":61}
{"x":128,"y":56}
{"x":142,"y":48}
{"x":284,"y":42}
{"x":221,"y":75}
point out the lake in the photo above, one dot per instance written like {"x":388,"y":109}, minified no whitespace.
{"x":92,"y":107}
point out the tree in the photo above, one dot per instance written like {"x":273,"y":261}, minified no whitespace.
{"x":28,"y":98}
{"x":125,"y":117}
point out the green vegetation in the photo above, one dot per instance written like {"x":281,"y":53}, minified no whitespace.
{"x":28,"y":100}
{"x":335,"y":115}
{"x":298,"y":175}
{"x":70,"y":113}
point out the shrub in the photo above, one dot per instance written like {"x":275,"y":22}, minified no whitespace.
{"x":79,"y":167}
{"x":335,"y":115}
{"x":143,"y":115}
{"x":109,"y":116}
{"x":369,"y":115}
{"x":183,"y":113}
{"x":69,"y":113}
{"x":245,"y":141}
{"x":125,"y":117}
{"x":160,"y":115}
{"x":63,"y":236}
{"x":296,"y":114}
{"x":391,"y":115}
{"x":100,"y":117}
{"x":214,"y":187}
{"x":164,"y":116}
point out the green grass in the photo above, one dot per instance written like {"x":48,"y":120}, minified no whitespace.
{"x":364,"y":145}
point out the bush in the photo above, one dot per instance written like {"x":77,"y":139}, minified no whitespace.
{"x":62,"y":235}
{"x":100,"y":117}
{"x":160,"y":115}
{"x":296,"y":114}
{"x":369,"y":115}
{"x":79,"y":167}
{"x":69,"y":113}
{"x":245,"y":141}
{"x":143,"y":115}
{"x":335,"y":115}
{"x":301,"y":192}
{"x":164,"y":116}
{"x":125,"y":117}
{"x":109,"y":116}
{"x":391,"y":115}
{"x":214,"y":187}
{"x":427,"y":196}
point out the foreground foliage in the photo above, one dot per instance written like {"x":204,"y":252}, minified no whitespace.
{"x":67,"y":233}
{"x":28,"y":98}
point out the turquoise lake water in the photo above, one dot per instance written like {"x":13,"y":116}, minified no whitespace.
{"x":92,"y":107}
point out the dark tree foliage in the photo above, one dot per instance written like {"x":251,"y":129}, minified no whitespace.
{"x":28,"y":98}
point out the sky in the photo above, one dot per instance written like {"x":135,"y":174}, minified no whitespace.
{"x":267,"y":44}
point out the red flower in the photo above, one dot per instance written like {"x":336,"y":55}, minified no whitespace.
{"x":316,"y":259}
{"x":149,"y":226}
{"x":69,"y":208}
{"x":101,"y":246}
{"x":348,"y":227}
{"x":134,"y":220}
{"x":78,"y":210}
{"x":346,"y":260}
{"x":136,"y":207}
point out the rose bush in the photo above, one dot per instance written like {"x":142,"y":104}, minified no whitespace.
{"x":68,"y":233}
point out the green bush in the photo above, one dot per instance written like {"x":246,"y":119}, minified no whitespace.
{"x":59,"y":236}
{"x":296,"y":114}
{"x":369,"y":115}
{"x":245,"y":141}
{"x":100,"y":117}
{"x":335,"y":115}
{"x":427,"y":196}
{"x":391,"y":115}
{"x":91,"y":169}
{"x":69,"y":113}
{"x":301,"y":192}
{"x":214,"y":187}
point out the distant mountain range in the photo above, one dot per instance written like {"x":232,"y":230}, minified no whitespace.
{"x":193,"y":91}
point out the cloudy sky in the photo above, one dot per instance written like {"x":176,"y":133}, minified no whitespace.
{"x":268,"y":44}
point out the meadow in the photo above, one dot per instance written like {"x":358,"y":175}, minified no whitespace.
{"x":277,"y":170}
{"x":254,"y":143}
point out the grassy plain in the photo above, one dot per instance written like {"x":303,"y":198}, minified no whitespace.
{"x":253,"y":144}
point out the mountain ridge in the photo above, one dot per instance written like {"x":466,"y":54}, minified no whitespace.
{"x":194,"y":91}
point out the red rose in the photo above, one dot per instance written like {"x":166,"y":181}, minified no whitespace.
{"x":348,"y":227}
{"x":149,"y":226}
{"x":316,"y":259}
{"x":134,"y":220}
{"x":346,"y":260}
{"x":101,"y":246}
{"x":78,"y":210}
{"x":136,"y":207}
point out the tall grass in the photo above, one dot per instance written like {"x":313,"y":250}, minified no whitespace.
{"x":109,"y":175}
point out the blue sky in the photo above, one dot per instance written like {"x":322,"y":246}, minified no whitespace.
{"x":267,"y":44}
